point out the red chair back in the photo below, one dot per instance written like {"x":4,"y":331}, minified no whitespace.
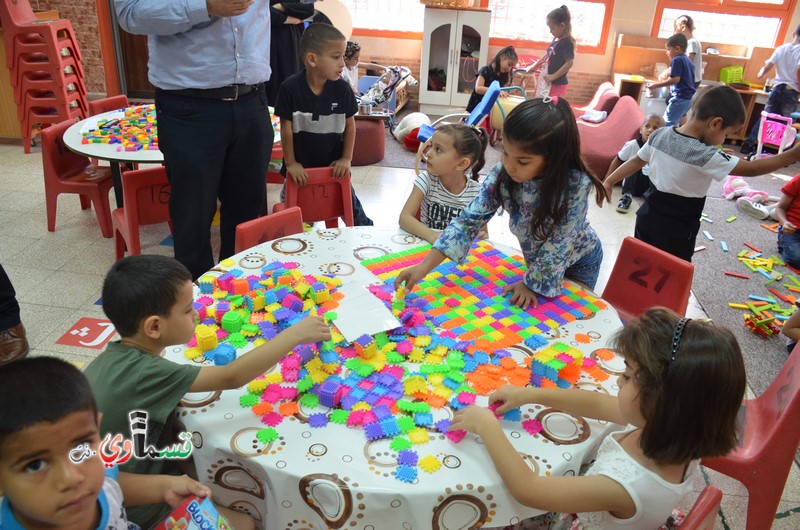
{"x":771,"y":433}
{"x":15,"y":13}
{"x":99,"y":106}
{"x":58,"y":162}
{"x":146,"y":193}
{"x":322,"y":198}
{"x":273,"y":226}
{"x":644,"y":276}
{"x":703,"y":514}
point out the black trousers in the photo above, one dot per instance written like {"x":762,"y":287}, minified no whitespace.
{"x":9,"y":308}
{"x":213,"y":150}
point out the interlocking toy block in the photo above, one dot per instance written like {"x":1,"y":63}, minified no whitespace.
{"x":206,"y":337}
{"x":222,"y":354}
{"x":406,"y":473}
{"x":430,"y":464}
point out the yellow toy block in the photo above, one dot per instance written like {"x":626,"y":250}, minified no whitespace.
{"x":257,"y":386}
{"x":274,"y":378}
{"x":416,"y":355}
{"x":418,"y":436}
{"x":362,"y":405}
{"x":206,"y":338}
{"x":193,"y":353}
{"x":430,"y":464}
{"x":219,"y":295}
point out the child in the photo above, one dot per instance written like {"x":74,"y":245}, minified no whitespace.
{"x":149,"y":300}
{"x":783,"y":96}
{"x":316,"y":108}
{"x":679,"y":398}
{"x":48,"y":413}
{"x":694,"y":51}
{"x":544,"y":186}
{"x":442,"y":191}
{"x":683,"y":161}
{"x":638,"y":183}
{"x":791,"y":330}
{"x":787,"y":213}
{"x":560,"y":54}
{"x":352,"y":54}
{"x":680,"y":80}
{"x":500,"y":70}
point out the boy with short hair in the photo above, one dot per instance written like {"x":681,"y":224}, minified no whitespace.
{"x":638,"y":183}
{"x":681,"y":80}
{"x":317,"y":108}
{"x":149,"y":300}
{"x":683,"y":161}
{"x":46,"y":478}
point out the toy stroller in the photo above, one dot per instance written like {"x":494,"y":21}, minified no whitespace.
{"x":774,"y":131}
{"x":494,"y":123}
{"x":383,"y":89}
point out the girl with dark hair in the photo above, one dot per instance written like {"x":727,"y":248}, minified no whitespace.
{"x":500,"y":69}
{"x":560,"y":54}
{"x":544,"y":186}
{"x":694,"y":50}
{"x":679,"y":398}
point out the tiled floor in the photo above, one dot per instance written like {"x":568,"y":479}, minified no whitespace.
{"x":58,"y":276}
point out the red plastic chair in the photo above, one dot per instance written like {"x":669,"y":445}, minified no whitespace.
{"x":771,"y":434}
{"x":24,"y":33}
{"x":279,"y":224}
{"x":703,"y":514}
{"x":644,"y":276}
{"x":146,"y":193}
{"x":99,"y":106}
{"x":68,"y":172}
{"x":322,"y":198}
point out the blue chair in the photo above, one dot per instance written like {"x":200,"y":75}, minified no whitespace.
{"x":474,"y":118}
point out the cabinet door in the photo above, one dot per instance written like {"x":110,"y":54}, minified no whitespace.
{"x":436,"y":71}
{"x":469,"y":53}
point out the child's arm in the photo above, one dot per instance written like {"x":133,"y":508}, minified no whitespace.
{"x":780,"y":214}
{"x":342,"y":166}
{"x":412,"y":275}
{"x":576,"y":402}
{"x":556,"y":494}
{"x":296,"y":171}
{"x":152,"y":489}
{"x":480,"y":85}
{"x":791,"y":328}
{"x":613,"y":167}
{"x":752,"y":168}
{"x":672,"y":80}
{"x":622,"y":172}
{"x":765,"y":69}
{"x":409,"y":221}
{"x":257,"y":361}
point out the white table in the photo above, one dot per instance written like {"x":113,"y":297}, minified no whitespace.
{"x":333,"y":477}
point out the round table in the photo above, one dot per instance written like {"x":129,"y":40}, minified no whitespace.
{"x":335,"y":477}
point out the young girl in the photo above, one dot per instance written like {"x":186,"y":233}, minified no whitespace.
{"x":560,"y":54}
{"x":442,"y":191}
{"x":694,"y":51}
{"x":544,"y":186}
{"x":679,"y":397}
{"x":500,"y":69}
{"x":352,"y":54}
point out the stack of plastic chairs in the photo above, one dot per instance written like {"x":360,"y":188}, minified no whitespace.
{"x":45,"y":66}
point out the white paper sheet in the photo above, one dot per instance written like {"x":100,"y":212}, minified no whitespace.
{"x":360,"y":312}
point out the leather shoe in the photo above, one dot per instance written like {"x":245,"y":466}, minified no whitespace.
{"x":13,"y":344}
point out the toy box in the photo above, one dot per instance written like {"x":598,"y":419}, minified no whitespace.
{"x":194,"y":513}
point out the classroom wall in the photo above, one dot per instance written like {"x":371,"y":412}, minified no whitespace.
{"x":629,"y":16}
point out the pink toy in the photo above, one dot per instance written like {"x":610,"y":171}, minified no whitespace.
{"x":776,"y":131}
{"x":735,"y":187}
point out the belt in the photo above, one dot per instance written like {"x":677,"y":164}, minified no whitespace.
{"x":224,"y":93}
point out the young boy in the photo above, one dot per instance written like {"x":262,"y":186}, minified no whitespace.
{"x":638,"y":183}
{"x":683,"y":161}
{"x":783,"y":96}
{"x":50,"y":473}
{"x":681,"y":80}
{"x":316,"y":108}
{"x":149,"y":299}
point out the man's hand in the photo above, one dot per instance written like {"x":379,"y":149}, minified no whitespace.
{"x":227,"y":8}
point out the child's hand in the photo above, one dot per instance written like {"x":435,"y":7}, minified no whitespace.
{"x":409,"y":277}
{"x":788,"y":228}
{"x":311,"y":329}
{"x":341,"y":168}
{"x":503,"y":94}
{"x":547,"y":77}
{"x":608,"y":188}
{"x":472,"y":419}
{"x":181,"y":487}
{"x":510,"y":397}
{"x":298,"y":173}
{"x":522,"y":297}
{"x":483,"y":233}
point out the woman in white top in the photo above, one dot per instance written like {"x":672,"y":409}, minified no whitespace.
{"x":684,"y":24}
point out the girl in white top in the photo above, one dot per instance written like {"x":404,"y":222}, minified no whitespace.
{"x":442,"y":191}
{"x":352,"y":54}
{"x":679,"y":396}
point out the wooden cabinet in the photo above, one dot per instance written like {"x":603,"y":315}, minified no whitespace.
{"x":455,"y":45}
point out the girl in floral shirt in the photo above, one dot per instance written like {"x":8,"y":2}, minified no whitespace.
{"x":544,"y":185}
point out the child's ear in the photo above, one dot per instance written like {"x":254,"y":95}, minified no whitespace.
{"x":151,"y":327}
{"x":715,"y":122}
{"x":99,"y":418}
{"x":311,"y":58}
{"x":464,"y":164}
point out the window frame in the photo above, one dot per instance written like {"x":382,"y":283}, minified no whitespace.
{"x":600,"y":49}
{"x":782,"y":11}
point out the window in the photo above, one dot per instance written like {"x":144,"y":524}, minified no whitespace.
{"x":376,"y":18}
{"x":524,"y":20}
{"x":762,"y":23}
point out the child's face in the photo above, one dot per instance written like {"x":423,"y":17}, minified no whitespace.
{"x":441,"y":157}
{"x":330,"y":61}
{"x":649,"y":126}
{"x":519,"y":165}
{"x":628,"y":395}
{"x":178,"y":326}
{"x":507,"y":64}
{"x":352,"y":61}
{"x":556,"y":29}
{"x":43,"y":486}
{"x":715,"y":133}
{"x":674,"y":51}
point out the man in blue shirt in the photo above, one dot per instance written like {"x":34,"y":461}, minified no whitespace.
{"x":209,"y":61}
